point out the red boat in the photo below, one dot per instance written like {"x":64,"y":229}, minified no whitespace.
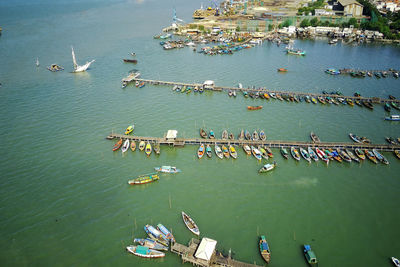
{"x":254,"y":107}
{"x":117,"y":145}
{"x":282,"y":70}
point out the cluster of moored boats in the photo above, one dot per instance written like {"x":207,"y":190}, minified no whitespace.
{"x":159,"y":239}
{"x":188,"y":89}
{"x":365,"y":73}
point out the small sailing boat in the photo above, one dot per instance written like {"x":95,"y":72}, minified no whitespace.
{"x":78,"y":68}
{"x":37,"y":62}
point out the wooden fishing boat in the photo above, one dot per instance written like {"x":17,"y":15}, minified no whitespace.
{"x":313,"y":100}
{"x":254,"y":107}
{"x":247,"y":135}
{"x":343,"y":155}
{"x":218,"y":152}
{"x":157,"y":149}
{"x":148,"y":149}
{"x":263,"y":137}
{"x":255,"y":136}
{"x":130,"y":129}
{"x":360,"y":154}
{"x":144,"y":179}
{"x":284,"y":153}
{"x":396,"y":262}
{"x":224,"y":134}
{"x":358,"y":103}
{"x":267,"y":167}
{"x":273,"y":95}
{"x":368,"y":104}
{"x":190,"y":224}
{"x":380,"y":157}
{"x":231,"y":136}
{"x":141,"y":85}
{"x":266,"y":96}
{"x":117,"y":145}
{"x":133,"y":145}
{"x":264,"y":249}
{"x":390,"y":140}
{"x":247,"y":149}
{"x":310,"y":255}
{"x":282,"y":70}
{"x":125,"y":146}
{"x":225,"y":151}
{"x":208,"y":151}
{"x":355,"y":138}
{"x":256,"y":153}
{"x":321,"y":154}
{"x":314,"y":138}
{"x":145,"y":252}
{"x":264,"y":153}
{"x":329,"y":154}
{"x":305,"y":154}
{"x":321,"y":100}
{"x":150,"y":243}
{"x":393,"y":118}
{"x":370,"y":156}
{"x":312,"y":154}
{"x":130,"y":60}
{"x":156,"y":235}
{"x":166,"y":232}
{"x":295,"y":153}
{"x":269,"y":152}
{"x":167,"y":169}
{"x":395,"y":105}
{"x":241,"y":135}
{"x":142,"y":145}
{"x":232,"y":152}
{"x":307,"y":99}
{"x":335,"y":155}
{"x":387,"y":107}
{"x":352,"y":156}
{"x":349,"y":102}
{"x":203,"y":133}
{"x":200,"y":151}
{"x":211,"y":135}
{"x":397,"y":153}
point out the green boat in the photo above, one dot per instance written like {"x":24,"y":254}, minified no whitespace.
{"x":395,"y":105}
{"x":310,"y":255}
{"x":183,"y":89}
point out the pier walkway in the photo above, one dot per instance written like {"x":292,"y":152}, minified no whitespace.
{"x":376,"y":100}
{"x":217,"y":259}
{"x":268,"y":143}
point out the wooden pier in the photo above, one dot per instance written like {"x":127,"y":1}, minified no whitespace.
{"x":269,"y":143}
{"x":187,"y":255}
{"x":376,"y":100}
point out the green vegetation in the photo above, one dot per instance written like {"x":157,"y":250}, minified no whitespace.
{"x":311,"y":7}
{"x":286,"y":23}
{"x":201,"y":27}
{"x":238,"y":29}
{"x":192,"y":26}
{"x":270,"y":27}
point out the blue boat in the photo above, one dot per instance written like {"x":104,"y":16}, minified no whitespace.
{"x":310,"y":255}
{"x":150,"y":243}
{"x":166,"y":232}
{"x":264,"y":249}
{"x":156,"y":235}
{"x":393,"y":118}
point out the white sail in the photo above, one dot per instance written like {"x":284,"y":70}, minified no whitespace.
{"x":78,"y":68}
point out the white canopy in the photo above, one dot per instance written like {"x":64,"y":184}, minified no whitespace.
{"x":171,"y":134}
{"x":209,"y":82}
{"x":205,"y":249}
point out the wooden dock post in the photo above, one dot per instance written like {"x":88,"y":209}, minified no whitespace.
{"x":170,"y":205}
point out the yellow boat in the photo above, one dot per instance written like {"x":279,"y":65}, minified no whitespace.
{"x":142,"y":145}
{"x":232,"y":151}
{"x":129,"y":129}
{"x":144,"y":179}
{"x":133,"y":145}
{"x":148,"y":149}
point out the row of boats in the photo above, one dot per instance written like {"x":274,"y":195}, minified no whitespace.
{"x":159,"y":239}
{"x":243,"y":135}
{"x":143,"y":146}
{"x":363,"y":73}
{"x":188,"y":89}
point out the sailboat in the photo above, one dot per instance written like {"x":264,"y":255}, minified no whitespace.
{"x":78,"y":68}
{"x":37,"y":62}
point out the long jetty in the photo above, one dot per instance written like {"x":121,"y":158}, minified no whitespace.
{"x":376,"y":100}
{"x":269,"y":143}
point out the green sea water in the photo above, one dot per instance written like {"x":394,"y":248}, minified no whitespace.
{"x":64,"y":195}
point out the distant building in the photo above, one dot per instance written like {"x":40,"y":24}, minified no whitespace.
{"x":347,"y":8}
{"x":323,"y":12}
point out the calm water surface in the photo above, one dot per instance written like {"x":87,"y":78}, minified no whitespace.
{"x":64,"y":194}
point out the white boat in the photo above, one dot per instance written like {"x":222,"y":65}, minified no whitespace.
{"x":78,"y":68}
{"x":393,"y":118}
{"x":218,"y":152}
{"x":125,"y":146}
{"x":396,"y":262}
{"x":167,"y":169}
{"x":268,"y":167}
{"x":190,"y":224}
{"x":145,"y":252}
{"x":256,"y":153}
{"x":37,"y":62}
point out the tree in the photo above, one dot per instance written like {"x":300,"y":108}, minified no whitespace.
{"x":314,"y":22}
{"x":238,"y":29}
{"x":305,"y":23}
{"x":201,"y":27}
{"x":270,"y":27}
{"x":353,"y":22}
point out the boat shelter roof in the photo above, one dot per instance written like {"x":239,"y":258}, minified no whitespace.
{"x":171,"y":134}
{"x":209,"y":82}
{"x":206,"y":249}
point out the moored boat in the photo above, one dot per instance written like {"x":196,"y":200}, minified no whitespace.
{"x":142,"y":145}
{"x":203,"y":133}
{"x":282,"y":70}
{"x":144,"y":179}
{"x":148,"y":149}
{"x":150,"y":243}
{"x":321,"y":154}
{"x":224,"y":134}
{"x":130,"y":60}
{"x":335,"y":155}
{"x":256,"y":153}
{"x":387,"y":107}
{"x":396,"y":262}
{"x":284,"y":152}
{"x":295,"y":153}
{"x":263,"y":137}
{"x":211,"y":135}
{"x":247,"y":149}
{"x":355,"y":138}
{"x":352,"y":156}
{"x":247,"y":135}
{"x":157,"y":149}
{"x":254,"y":107}
{"x":166,"y":232}
{"x":117,"y":145}
{"x":225,"y":151}
{"x":343,"y":155}
{"x":190,"y":224}
{"x":231,"y":136}
{"x":125,"y":146}
{"x":269,"y":151}
{"x":349,"y":101}
{"x":129,"y":129}
{"x":255,"y":136}
{"x":232,"y":152}
{"x":314,"y":137}
{"x":393,"y":118}
{"x":380,"y":157}
{"x":145,"y":252}
{"x":305,"y":154}
{"x":167,"y":169}
{"x":312,"y":154}
{"x":208,"y":151}
{"x":397,"y":153}
{"x":218,"y":152}
{"x":241,"y":135}
{"x":200,"y":151}
{"x":360,"y":154}
{"x":133,"y":145}
{"x":267,"y":167}
{"x":264,"y":249}
{"x":310,"y":255}
{"x":370,"y":155}
{"x":156,"y":235}
{"x":368,"y":104}
{"x":264,"y":153}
